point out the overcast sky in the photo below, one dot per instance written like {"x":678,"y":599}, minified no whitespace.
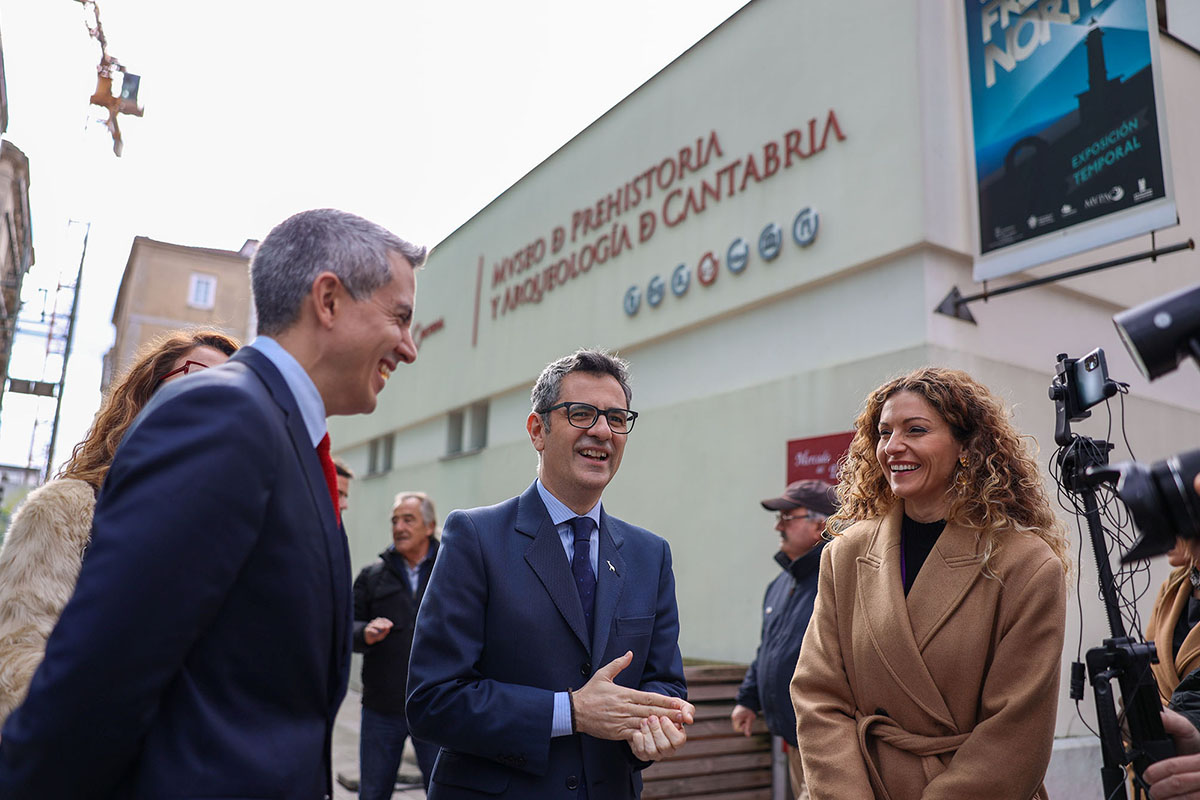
{"x":415,"y":115}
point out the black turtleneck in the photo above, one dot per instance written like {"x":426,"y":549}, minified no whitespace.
{"x":916,"y":543}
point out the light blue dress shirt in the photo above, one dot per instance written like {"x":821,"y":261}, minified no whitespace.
{"x":312,"y":407}
{"x":561,"y":516}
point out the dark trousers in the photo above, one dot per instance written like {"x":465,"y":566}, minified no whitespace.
{"x":380,"y":747}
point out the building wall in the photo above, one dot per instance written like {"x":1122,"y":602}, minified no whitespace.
{"x":16,"y":243}
{"x":154,"y":297}
{"x":726,"y":374}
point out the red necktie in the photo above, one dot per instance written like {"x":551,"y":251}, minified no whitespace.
{"x":330,"y":474}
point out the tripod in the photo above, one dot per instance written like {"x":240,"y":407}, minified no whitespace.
{"x":1082,"y":461}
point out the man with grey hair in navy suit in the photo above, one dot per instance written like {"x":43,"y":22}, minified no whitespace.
{"x":206,"y":649}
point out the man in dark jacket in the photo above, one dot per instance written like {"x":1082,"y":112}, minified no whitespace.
{"x":387,"y":595}
{"x":787,"y":607}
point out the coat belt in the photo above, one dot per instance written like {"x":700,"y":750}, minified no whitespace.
{"x":927,"y":747}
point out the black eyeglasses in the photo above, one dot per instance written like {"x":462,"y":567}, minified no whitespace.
{"x":782,"y":517}
{"x":584,"y":416}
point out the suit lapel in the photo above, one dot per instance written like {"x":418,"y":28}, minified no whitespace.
{"x":546,"y":556}
{"x":881,"y":598}
{"x":610,"y":580}
{"x":336,"y":546}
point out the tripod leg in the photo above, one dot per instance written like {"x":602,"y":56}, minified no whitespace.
{"x":1111,"y":747}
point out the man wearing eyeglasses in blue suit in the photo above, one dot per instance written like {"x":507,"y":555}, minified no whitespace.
{"x":206,"y":649}
{"x":546,"y":659}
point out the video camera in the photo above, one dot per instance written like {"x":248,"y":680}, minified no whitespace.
{"x":1160,"y":497}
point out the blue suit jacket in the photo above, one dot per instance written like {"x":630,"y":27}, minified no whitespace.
{"x":206,"y":648}
{"x":501,"y":629}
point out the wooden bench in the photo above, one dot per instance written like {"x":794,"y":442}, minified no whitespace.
{"x":716,"y":763}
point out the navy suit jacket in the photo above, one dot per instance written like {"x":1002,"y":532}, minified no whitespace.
{"x":501,"y":630}
{"x":206,"y":648}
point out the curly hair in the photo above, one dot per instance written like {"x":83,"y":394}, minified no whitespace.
{"x":127,"y":397}
{"x":999,"y":489}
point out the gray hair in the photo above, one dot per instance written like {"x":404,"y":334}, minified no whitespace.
{"x":427,"y":510}
{"x":597,"y":362}
{"x":304,"y":245}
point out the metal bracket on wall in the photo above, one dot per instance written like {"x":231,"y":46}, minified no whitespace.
{"x":954,"y":304}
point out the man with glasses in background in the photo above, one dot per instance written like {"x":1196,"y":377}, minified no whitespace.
{"x":546,"y":654}
{"x":800,"y":517}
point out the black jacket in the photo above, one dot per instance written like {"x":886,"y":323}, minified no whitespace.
{"x":787,"y":608}
{"x":382,"y":590}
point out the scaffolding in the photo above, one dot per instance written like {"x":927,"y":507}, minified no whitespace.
{"x":44,"y":332}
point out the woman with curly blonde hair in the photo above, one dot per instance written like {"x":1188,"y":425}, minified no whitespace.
{"x":931,"y":666}
{"x":44,"y":546}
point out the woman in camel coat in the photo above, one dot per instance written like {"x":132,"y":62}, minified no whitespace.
{"x":931,"y":666}
{"x":1177,"y":600}
{"x":45,"y":543}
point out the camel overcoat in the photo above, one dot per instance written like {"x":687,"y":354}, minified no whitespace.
{"x":946,"y":694}
{"x":1172,"y":601}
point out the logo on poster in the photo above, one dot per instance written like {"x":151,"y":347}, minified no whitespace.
{"x":1113,"y":195}
{"x":1143,"y":191}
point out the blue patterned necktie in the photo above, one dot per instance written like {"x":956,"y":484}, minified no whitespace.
{"x":581,"y":568}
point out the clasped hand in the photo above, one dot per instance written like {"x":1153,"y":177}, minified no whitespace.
{"x":651,"y":723}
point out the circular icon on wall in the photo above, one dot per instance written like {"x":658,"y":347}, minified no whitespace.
{"x":633,"y":300}
{"x":770,"y":241}
{"x":656,"y":290}
{"x":708,"y":269}
{"x":738,"y":256}
{"x":680,"y":279}
{"x":804,"y":229}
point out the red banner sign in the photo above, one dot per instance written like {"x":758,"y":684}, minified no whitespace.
{"x":817,"y":456}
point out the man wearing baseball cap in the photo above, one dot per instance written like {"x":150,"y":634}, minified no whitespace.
{"x":787,"y":607}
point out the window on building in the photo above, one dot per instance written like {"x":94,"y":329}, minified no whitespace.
{"x":467,"y":429}
{"x":379,"y":454}
{"x":454,"y":432}
{"x":202,"y":290}
{"x":477,"y":426}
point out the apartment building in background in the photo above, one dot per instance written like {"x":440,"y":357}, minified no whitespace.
{"x":167,"y":286}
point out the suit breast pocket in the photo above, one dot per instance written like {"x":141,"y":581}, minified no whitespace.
{"x":635,"y":626}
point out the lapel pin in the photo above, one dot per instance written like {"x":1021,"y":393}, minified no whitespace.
{"x":610,"y":566}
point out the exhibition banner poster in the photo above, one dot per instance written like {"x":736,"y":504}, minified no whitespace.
{"x":1070,"y":148}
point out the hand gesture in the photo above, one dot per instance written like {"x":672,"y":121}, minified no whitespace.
{"x":377,"y":630}
{"x":657,"y":738}
{"x":743,"y":719}
{"x":608,"y":711}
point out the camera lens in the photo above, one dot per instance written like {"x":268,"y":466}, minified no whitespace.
{"x":1162,"y":501}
